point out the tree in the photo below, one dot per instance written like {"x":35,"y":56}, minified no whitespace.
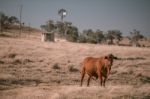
{"x":114,"y":34}
{"x":4,"y":21}
{"x":43,"y":27}
{"x":66,"y":26}
{"x":99,"y":36}
{"x":135,"y":37}
{"x":82,"y":38}
{"x":13,"y":19}
{"x":88,"y":32}
{"x":60,"y":28}
{"x":72,"y":34}
{"x":7,"y":21}
{"x":49,"y":26}
{"x":90,"y":36}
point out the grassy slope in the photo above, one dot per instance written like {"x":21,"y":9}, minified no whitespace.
{"x":28,"y":69}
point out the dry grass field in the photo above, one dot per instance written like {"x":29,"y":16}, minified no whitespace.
{"x":31,"y":69}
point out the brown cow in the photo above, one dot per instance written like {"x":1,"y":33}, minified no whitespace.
{"x":97,"y":67}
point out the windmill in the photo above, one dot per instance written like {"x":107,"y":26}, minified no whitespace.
{"x":62,"y":13}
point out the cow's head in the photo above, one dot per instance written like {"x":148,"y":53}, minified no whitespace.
{"x":110,"y":58}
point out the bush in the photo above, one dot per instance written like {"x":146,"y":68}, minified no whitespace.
{"x":72,"y":34}
{"x":56,"y":66}
{"x":91,"y":40}
{"x":72,"y":37}
{"x":82,"y":39}
{"x":17,"y":61}
{"x":2,"y":62}
{"x":12,"y":55}
{"x":72,"y":69}
{"x":90,"y":36}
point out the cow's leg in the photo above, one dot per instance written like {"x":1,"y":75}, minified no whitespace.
{"x":82,"y":76}
{"x":100,"y":78}
{"x":104,"y":81}
{"x":88,"y":81}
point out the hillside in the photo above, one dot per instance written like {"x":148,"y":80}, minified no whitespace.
{"x":26,"y":31}
{"x":33,"y":69}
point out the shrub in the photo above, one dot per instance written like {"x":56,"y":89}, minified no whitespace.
{"x":72,"y":69}
{"x":27,"y":60}
{"x":72,"y":34}
{"x":56,"y":66}
{"x":91,"y":40}
{"x":82,"y":39}
{"x":12,"y":55}
{"x":17,"y":61}
{"x":1,"y":62}
{"x":4,"y":35}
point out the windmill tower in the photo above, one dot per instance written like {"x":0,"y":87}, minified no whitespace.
{"x":62,"y":13}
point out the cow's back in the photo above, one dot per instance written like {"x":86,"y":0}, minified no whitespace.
{"x":89,"y":65}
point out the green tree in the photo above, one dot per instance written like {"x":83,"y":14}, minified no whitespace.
{"x":13,"y":20}
{"x":88,"y":32}
{"x":64,"y":29}
{"x":82,"y":38}
{"x":43,"y":27}
{"x":60,"y":28}
{"x":49,"y":26}
{"x":4,"y":21}
{"x":99,"y":36}
{"x":135,"y":36}
{"x":7,"y":21}
{"x":90,"y":36}
{"x":72,"y":34}
{"x":113,"y":34}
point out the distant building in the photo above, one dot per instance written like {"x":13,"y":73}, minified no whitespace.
{"x":47,"y":37}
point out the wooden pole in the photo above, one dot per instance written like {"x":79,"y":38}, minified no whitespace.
{"x":0,"y":22}
{"x":20,"y":19}
{"x":29,"y":30}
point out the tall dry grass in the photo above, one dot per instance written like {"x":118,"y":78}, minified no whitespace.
{"x":32,"y":69}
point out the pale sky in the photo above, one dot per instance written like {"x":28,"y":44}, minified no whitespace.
{"x":124,"y":15}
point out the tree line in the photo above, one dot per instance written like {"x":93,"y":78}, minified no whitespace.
{"x":70,"y":32}
{"x":64,"y":29}
{"x":7,"y":21}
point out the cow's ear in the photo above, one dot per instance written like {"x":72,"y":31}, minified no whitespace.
{"x":106,"y":57}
